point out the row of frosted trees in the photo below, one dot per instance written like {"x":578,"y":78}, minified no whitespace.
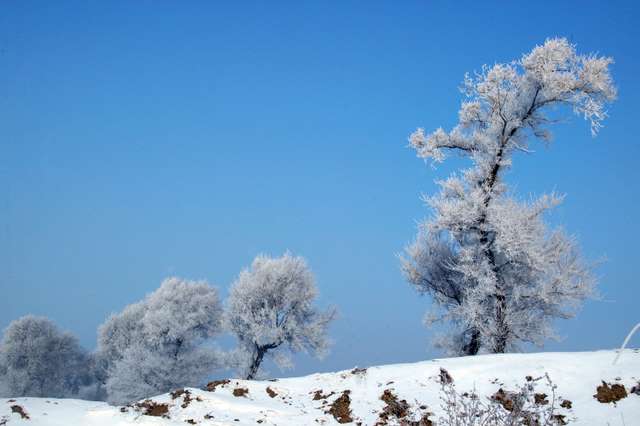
{"x":167,"y":340}
{"x":497,"y":275}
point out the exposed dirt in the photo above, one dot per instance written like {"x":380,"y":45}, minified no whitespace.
{"x":186,"y":397}
{"x":152,"y":408}
{"x":504,"y":398}
{"x":398,"y":411}
{"x":607,"y":393}
{"x":340,"y":408}
{"x":559,"y":419}
{"x":540,"y":398}
{"x":394,"y":408}
{"x":211,"y":386}
{"x":317,"y":395}
{"x":18,"y":409}
{"x":566,"y":404}
{"x":424,"y":421}
{"x":271,"y":392}
{"x":240,"y":392}
{"x":445,"y":377}
{"x":178,"y":393}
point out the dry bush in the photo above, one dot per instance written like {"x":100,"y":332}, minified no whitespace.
{"x":524,"y":406}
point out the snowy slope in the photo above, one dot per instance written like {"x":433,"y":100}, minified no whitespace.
{"x":577,"y":376}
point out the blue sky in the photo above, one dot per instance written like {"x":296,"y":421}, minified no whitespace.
{"x":153,"y":138}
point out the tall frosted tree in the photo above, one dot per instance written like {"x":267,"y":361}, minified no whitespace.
{"x":161,"y":343}
{"x":497,"y":275}
{"x":270,"y":310}
{"x":37,"y":359}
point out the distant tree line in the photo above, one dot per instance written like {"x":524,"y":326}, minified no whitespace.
{"x":167,"y":340}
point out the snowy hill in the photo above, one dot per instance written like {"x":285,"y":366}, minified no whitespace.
{"x":308,"y":400}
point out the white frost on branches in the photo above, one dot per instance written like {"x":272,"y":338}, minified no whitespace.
{"x":488,"y":261}
{"x":39,"y":360}
{"x":158,"y":344}
{"x":270,"y":308}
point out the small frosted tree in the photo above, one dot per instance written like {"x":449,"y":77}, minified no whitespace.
{"x":270,"y":310}
{"x":161,"y":343}
{"x":39,"y":360}
{"x":494,"y":270}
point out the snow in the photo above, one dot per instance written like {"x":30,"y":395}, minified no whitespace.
{"x":576,"y":374}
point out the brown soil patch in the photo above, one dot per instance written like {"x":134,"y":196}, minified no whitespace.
{"x":317,"y":395}
{"x":152,"y":408}
{"x":271,"y":392}
{"x":186,"y":397}
{"x":559,"y":419}
{"x":211,"y":386}
{"x":178,"y":393}
{"x":566,"y":404}
{"x":399,"y":410}
{"x":18,"y":409}
{"x":445,"y":377}
{"x":240,"y":392}
{"x":340,"y":408}
{"x":540,"y":398}
{"x":394,"y":408}
{"x":504,"y":398}
{"x":424,"y":421}
{"x":610,"y":393}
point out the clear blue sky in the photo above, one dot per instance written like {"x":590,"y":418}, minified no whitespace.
{"x":151,"y":138}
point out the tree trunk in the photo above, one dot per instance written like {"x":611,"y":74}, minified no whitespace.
{"x":255,"y":363}
{"x":502,"y":332}
{"x":500,"y":342}
{"x":473,"y":345}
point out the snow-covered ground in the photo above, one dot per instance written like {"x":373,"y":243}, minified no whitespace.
{"x":291,"y":401}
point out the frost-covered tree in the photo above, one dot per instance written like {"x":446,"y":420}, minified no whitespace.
{"x":117,"y":334}
{"x":39,"y":360}
{"x":492,"y":267}
{"x":4,"y":390}
{"x":161,"y":343}
{"x":270,"y":310}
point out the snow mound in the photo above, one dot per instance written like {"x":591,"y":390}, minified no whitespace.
{"x":354,"y":396}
